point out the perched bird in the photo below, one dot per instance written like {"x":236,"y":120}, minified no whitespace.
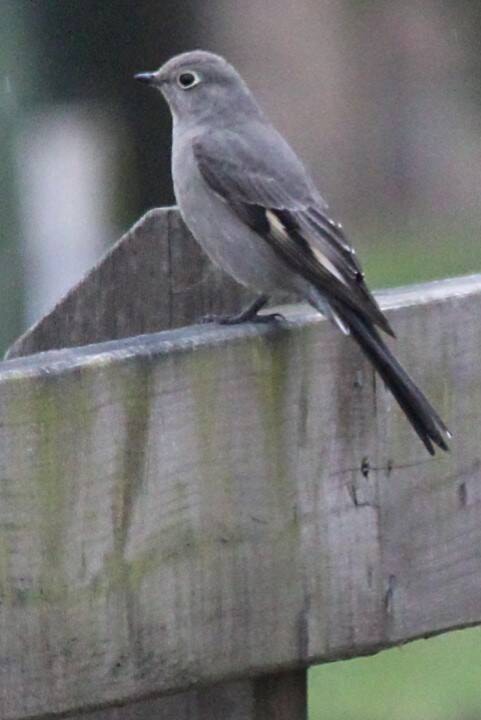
{"x":252,"y":206}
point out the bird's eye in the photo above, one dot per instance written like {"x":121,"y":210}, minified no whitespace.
{"x":188,"y":79}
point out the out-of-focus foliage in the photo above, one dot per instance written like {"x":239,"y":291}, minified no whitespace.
{"x":12,"y":40}
{"x":437,"y":679}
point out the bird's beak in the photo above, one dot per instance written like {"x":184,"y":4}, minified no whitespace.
{"x":148,"y":78}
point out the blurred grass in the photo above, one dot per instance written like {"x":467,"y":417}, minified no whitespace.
{"x":420,"y":253}
{"x":437,"y":679}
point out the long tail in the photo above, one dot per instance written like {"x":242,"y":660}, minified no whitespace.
{"x":420,"y":413}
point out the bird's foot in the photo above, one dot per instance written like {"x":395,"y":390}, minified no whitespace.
{"x":241,"y":318}
{"x":248,"y":314}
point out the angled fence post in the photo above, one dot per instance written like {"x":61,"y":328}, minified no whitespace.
{"x":155,"y":278}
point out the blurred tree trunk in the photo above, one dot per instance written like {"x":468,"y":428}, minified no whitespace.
{"x":88,"y":49}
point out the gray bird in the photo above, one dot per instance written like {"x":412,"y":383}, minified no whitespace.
{"x":252,"y":206}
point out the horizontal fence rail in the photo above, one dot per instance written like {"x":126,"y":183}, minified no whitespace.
{"x":207,"y":504}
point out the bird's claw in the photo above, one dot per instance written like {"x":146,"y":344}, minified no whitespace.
{"x":237,"y":319}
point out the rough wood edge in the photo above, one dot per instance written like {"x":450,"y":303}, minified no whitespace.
{"x":193,"y":336}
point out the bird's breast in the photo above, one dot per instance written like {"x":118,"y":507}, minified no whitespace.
{"x":226,"y":239}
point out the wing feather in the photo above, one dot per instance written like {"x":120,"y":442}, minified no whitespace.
{"x":272,"y":193}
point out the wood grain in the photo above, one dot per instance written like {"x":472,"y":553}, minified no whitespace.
{"x":154,"y":278}
{"x":206,"y":504}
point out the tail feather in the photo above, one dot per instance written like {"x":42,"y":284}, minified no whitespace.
{"x":418,"y":410}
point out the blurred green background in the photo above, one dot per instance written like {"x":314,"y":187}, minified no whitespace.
{"x":383,"y":101}
{"x":436,"y":679}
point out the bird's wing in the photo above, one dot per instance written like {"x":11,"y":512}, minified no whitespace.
{"x":272,"y":193}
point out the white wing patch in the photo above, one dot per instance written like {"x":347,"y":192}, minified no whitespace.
{"x":277,"y":227}
{"x":279,"y":230}
{"x":328,"y":264}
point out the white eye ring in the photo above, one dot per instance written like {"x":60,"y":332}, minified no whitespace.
{"x":188,"y":79}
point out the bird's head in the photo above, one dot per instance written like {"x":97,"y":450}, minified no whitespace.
{"x":199,"y":85}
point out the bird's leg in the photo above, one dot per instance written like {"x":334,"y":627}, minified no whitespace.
{"x":249,"y":314}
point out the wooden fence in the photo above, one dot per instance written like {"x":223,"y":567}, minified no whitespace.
{"x":191,"y":518}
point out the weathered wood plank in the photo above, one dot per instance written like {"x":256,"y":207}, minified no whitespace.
{"x":154,"y":278}
{"x":275,"y":697}
{"x":207,"y":504}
